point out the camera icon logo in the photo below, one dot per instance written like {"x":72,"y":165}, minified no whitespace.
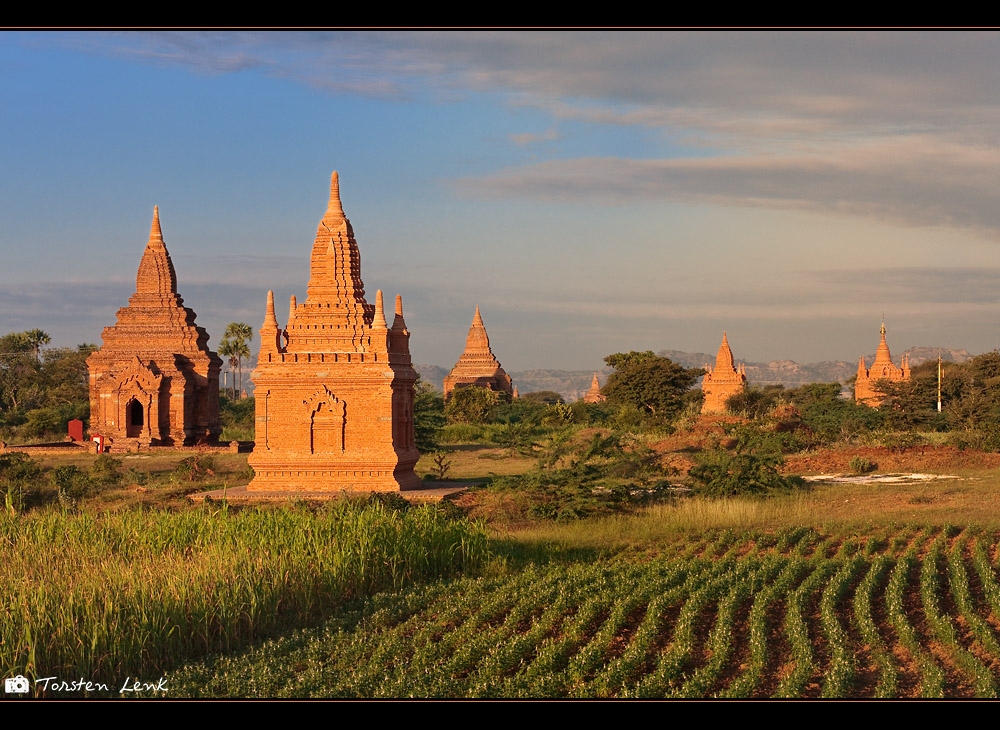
{"x":16,"y":685}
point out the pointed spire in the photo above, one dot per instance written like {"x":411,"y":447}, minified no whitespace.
{"x":379,"y":321}
{"x":291,"y":309}
{"x":724,"y":360}
{"x":398,"y":323}
{"x":155,"y":232}
{"x":882,"y":355}
{"x":269,"y":319}
{"x":334,"y":209}
{"x":477,"y":342}
{"x":515,"y":394}
{"x":156,"y":270}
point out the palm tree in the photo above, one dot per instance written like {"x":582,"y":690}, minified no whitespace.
{"x":236,"y":345}
{"x":37,"y":338}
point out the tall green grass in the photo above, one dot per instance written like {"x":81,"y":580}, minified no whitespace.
{"x":132,"y":593}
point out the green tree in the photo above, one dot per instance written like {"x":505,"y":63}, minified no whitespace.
{"x":236,"y":345}
{"x":35,"y":339}
{"x":428,"y":416}
{"x":652,"y":384}
{"x":472,"y":405}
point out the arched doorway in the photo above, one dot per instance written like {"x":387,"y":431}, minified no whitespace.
{"x":136,"y":418}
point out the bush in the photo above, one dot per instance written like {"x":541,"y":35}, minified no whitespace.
{"x":106,"y":470}
{"x":72,"y":484}
{"x":195,"y":467}
{"x":861,"y":465}
{"x":19,"y":475}
{"x":753,"y":468}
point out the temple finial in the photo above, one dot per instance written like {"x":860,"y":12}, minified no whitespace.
{"x":291,"y":308}
{"x":269,"y":319}
{"x":155,"y":232}
{"x":478,"y":319}
{"x":379,"y":322}
{"x":399,"y":305}
{"x":335,"y":209}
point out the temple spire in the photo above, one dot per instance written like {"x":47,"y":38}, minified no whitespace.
{"x":379,"y":321}
{"x":269,"y":319}
{"x":155,"y":232}
{"x":334,"y":209}
{"x":724,"y":359}
{"x":156,"y":270}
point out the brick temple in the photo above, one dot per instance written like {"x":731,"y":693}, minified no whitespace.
{"x":334,"y":389}
{"x":154,"y":382}
{"x":594,"y":394}
{"x":883,"y":368}
{"x":478,"y":366}
{"x":722,"y":382}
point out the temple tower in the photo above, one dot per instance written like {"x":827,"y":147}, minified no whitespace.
{"x":722,"y":382}
{"x":334,"y":389}
{"x":594,"y":394}
{"x":154,"y":381}
{"x":477,"y":366}
{"x":865,"y":390}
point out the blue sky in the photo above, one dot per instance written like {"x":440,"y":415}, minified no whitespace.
{"x":592,"y":192}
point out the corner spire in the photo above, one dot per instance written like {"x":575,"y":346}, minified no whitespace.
{"x":269,"y":319}
{"x":379,"y":322}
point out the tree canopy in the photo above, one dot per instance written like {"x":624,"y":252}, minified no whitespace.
{"x":650,"y":383}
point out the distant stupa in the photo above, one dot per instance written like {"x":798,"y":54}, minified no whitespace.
{"x":865,"y":391}
{"x":725,"y":381}
{"x":477,"y":367}
{"x":594,"y":394}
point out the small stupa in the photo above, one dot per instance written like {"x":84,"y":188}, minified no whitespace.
{"x":865,"y":391}
{"x":724,"y":381}
{"x":477,"y":366}
{"x":154,"y":382}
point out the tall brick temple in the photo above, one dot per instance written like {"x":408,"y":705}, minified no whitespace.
{"x":722,"y":382}
{"x":334,"y":389}
{"x":883,"y":368}
{"x":478,"y":366}
{"x":154,"y":382}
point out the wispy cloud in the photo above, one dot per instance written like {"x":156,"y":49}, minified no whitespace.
{"x":527,"y":138}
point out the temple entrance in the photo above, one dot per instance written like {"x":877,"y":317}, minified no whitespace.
{"x":135,"y":419}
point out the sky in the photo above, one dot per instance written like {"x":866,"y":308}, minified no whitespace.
{"x":592,"y":192}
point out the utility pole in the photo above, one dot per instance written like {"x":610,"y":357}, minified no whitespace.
{"x":939,"y":383}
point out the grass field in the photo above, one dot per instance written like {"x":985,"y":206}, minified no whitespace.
{"x":880,"y":589}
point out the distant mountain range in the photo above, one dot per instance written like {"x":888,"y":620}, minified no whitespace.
{"x":574,"y":384}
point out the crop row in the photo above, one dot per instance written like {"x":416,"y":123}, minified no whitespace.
{"x":904,"y":612}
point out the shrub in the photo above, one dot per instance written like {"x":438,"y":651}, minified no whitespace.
{"x":19,"y":475}
{"x":106,"y":470}
{"x":195,"y":467}
{"x":861,"y":465}
{"x":72,"y":484}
